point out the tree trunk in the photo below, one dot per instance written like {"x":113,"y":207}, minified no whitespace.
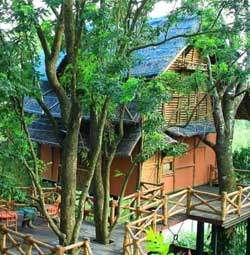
{"x":100,"y":210}
{"x":227,"y":241}
{"x":68,"y":175}
{"x":224,"y":157}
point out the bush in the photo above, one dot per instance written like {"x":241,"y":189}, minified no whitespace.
{"x":241,"y":158}
{"x":8,"y":189}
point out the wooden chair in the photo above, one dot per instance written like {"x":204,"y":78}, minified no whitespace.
{"x":52,"y":204}
{"x":7,"y":214}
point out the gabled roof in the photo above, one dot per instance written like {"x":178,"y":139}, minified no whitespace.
{"x":149,"y":62}
{"x":50,"y":99}
{"x":197,"y":128}
{"x":152,"y":61}
{"x":41,"y":131}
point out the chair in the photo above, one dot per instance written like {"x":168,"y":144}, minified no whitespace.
{"x":52,"y":204}
{"x":7,"y":215}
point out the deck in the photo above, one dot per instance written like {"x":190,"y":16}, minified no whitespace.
{"x":203,"y":204}
{"x":154,"y":209}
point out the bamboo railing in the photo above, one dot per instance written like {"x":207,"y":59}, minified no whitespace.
{"x":213,"y":175}
{"x":188,"y":202}
{"x":12,"y":242}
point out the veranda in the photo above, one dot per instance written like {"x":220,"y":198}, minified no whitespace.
{"x":148,"y":207}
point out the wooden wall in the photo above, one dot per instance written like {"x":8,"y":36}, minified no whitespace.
{"x":180,"y":108}
{"x":191,"y":169}
{"x":51,"y":157}
{"x":123,"y":164}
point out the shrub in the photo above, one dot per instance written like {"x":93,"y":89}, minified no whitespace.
{"x":241,"y":158}
{"x":156,"y":244}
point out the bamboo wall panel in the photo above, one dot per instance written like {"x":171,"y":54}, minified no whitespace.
{"x":188,"y":61}
{"x":150,"y":169}
{"x":180,"y":108}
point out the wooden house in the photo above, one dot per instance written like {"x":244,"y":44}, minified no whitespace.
{"x":191,"y":169}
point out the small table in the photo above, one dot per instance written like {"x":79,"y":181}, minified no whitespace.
{"x":9,"y":217}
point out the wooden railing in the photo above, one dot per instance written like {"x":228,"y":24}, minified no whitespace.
{"x":139,"y":203}
{"x":135,"y":234}
{"x":188,"y":202}
{"x":204,"y":202}
{"x":240,"y":174}
{"x":12,"y":242}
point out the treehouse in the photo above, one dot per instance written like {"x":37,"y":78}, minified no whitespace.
{"x":190,"y":169}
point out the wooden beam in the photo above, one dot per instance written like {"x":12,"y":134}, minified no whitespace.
{"x":200,"y":238}
{"x":214,"y":241}
{"x":248,"y":237}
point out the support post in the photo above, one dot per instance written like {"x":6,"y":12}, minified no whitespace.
{"x":3,"y":236}
{"x":86,"y":247}
{"x":165,"y":210}
{"x":29,"y":245}
{"x":200,"y":238}
{"x":126,"y":240}
{"x":214,"y":240}
{"x":135,"y":246}
{"x":59,"y":250}
{"x":223,"y":205}
{"x":113,"y":205}
{"x":248,"y":237}
{"x":239,"y":199}
{"x":153,"y":223}
{"x":189,"y":199}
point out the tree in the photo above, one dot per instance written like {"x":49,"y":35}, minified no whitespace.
{"x":227,"y":54}
{"x":90,"y":32}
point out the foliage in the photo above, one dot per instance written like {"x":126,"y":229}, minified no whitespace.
{"x":156,"y":244}
{"x":8,"y":189}
{"x":241,"y":158}
{"x":241,"y":134}
{"x":188,"y":239}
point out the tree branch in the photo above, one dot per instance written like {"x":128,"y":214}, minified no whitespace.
{"x":241,"y":92}
{"x":56,"y":47}
{"x":167,"y":39}
{"x":207,"y":142}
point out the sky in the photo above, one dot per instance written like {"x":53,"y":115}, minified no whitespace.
{"x":161,"y":8}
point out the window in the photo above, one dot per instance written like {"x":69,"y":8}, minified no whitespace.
{"x":167,"y":166}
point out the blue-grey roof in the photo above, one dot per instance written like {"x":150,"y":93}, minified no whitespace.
{"x":197,"y":128}
{"x":149,"y":62}
{"x":50,"y":99}
{"x":154,"y":60}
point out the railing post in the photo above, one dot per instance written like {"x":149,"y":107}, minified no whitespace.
{"x":153,"y":223}
{"x":86,"y":247}
{"x":162,"y":190}
{"x":189,"y":200}
{"x":3,"y":237}
{"x":29,"y":245}
{"x":239,"y":199}
{"x":165,"y":210}
{"x":138,"y":204}
{"x":59,"y":250}
{"x":112,"y":212}
{"x":135,"y":246}
{"x":223,"y":205}
{"x":126,"y":240}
